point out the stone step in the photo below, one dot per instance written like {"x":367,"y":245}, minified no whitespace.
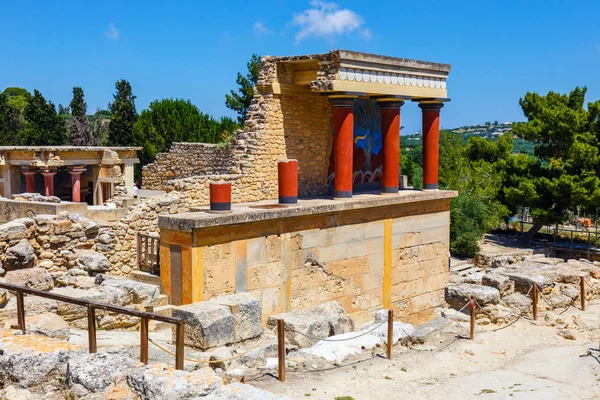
{"x":145,"y":277}
{"x":158,"y":326}
{"x":163,"y":310}
{"x":469,"y":271}
{"x":461,"y":267}
{"x":457,"y":262}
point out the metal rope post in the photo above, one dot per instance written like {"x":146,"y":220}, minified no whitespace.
{"x":390,"y":341}
{"x":582,"y":293}
{"x":534,"y":298}
{"x":472,"y":327}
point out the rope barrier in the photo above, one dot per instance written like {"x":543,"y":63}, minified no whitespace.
{"x":592,"y":286}
{"x":217,"y":361}
{"x":335,"y":340}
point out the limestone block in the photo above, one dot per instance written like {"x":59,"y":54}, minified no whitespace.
{"x":247,"y":312}
{"x":501,"y":282}
{"x":459,"y":294}
{"x":338,"y":319}
{"x":34,"y":278}
{"x":92,"y":261}
{"x":21,"y":255}
{"x":12,"y":231}
{"x":240,"y":391}
{"x":518,"y":301}
{"x":97,"y":371}
{"x":300,"y":323}
{"x":208,"y":324}
{"x":161,"y":381}
{"x":140,"y":293}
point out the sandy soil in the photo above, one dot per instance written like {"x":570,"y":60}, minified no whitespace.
{"x":527,"y":360}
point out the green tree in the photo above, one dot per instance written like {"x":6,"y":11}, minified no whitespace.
{"x":124,"y":115}
{"x":240,"y":101}
{"x":176,"y":120}
{"x":13,"y":101}
{"x":79,"y":124}
{"x":99,"y":123}
{"x":45,"y":126}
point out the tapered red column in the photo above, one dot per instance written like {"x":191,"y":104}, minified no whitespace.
{"x":49,"y":181}
{"x":431,"y":145}
{"x":76,"y":183}
{"x":29,"y":180}
{"x":343,"y":145}
{"x":390,"y":131}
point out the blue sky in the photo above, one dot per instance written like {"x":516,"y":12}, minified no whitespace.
{"x":499,"y":50}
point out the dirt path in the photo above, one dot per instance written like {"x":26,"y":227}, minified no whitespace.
{"x":527,"y":360}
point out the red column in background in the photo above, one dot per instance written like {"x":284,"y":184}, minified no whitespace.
{"x":390,"y":131}
{"x":29,"y":181}
{"x":49,"y":182}
{"x":431,"y":143}
{"x":76,"y":183}
{"x":343,"y":145}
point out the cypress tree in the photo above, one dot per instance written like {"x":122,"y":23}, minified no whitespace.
{"x":124,"y":115}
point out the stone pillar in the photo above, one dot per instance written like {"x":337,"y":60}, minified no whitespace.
{"x":343,"y":145}
{"x":49,"y":181}
{"x":76,"y":182}
{"x":390,"y":133}
{"x":29,"y":180}
{"x":431,"y":145}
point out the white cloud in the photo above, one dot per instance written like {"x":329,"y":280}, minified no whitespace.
{"x":112,"y":32}
{"x":328,"y":20}
{"x":260,"y":28}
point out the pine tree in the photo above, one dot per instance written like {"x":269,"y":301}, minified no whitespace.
{"x":45,"y":126}
{"x":124,"y":115}
{"x":239,"y":102}
{"x":79,"y":124}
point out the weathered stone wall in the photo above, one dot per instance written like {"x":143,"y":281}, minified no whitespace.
{"x":300,"y":270}
{"x":295,"y":124}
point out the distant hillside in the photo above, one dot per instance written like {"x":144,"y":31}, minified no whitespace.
{"x":489,"y":131}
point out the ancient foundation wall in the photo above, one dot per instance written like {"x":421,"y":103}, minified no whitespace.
{"x":366,"y":259}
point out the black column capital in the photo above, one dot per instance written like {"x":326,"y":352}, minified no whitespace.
{"x":390,"y":105}
{"x":431,"y":106}
{"x":342,"y":101}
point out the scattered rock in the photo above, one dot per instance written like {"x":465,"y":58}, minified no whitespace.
{"x":518,"y":301}
{"x":424,"y":332}
{"x":160,"y":381}
{"x":339,"y":320}
{"x":502,"y":261}
{"x":550,"y":318}
{"x":34,"y":278}
{"x":37,"y":197}
{"x":459,"y":295}
{"x":299,"y":324}
{"x":91,"y":261}
{"x":208,"y":324}
{"x":3,"y":297}
{"x":560,"y":301}
{"x":48,"y":324}
{"x":247,"y":312}
{"x":14,"y":393}
{"x":97,"y":371}
{"x":140,"y":293}
{"x":21,"y":255}
{"x":567,"y":334}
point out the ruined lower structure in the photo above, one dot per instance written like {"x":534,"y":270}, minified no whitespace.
{"x":372,"y":246}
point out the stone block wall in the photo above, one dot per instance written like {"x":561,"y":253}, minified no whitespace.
{"x":303,"y":268}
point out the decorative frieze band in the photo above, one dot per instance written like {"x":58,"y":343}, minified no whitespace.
{"x":363,"y":75}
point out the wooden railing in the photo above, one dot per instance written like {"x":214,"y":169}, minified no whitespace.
{"x":92,"y":306}
{"x":148,"y":248}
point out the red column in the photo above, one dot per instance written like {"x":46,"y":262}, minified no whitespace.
{"x":220,"y":196}
{"x":431,"y":138}
{"x":343,"y":145}
{"x":287,"y":174}
{"x":76,"y":183}
{"x":29,"y":181}
{"x":390,"y":131}
{"x":49,"y":182}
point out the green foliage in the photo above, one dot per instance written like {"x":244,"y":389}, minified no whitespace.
{"x":240,"y":101}
{"x":468,"y":217}
{"x":79,"y":124}
{"x":176,"y":120}
{"x":564,"y":173}
{"x":44,"y":125}
{"x":124,"y":115}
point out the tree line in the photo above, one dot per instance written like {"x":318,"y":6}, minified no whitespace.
{"x":494,"y":182}
{"x":30,"y":120}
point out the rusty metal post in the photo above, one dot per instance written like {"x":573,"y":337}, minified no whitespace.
{"x":390,"y":340}
{"x":281,"y":349}
{"x":179,"y":342}
{"x":91,"y":314}
{"x":534,"y":298}
{"x":21,"y":311}
{"x":582,"y":292}
{"x":144,"y":340}
{"x":472,"y":327}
